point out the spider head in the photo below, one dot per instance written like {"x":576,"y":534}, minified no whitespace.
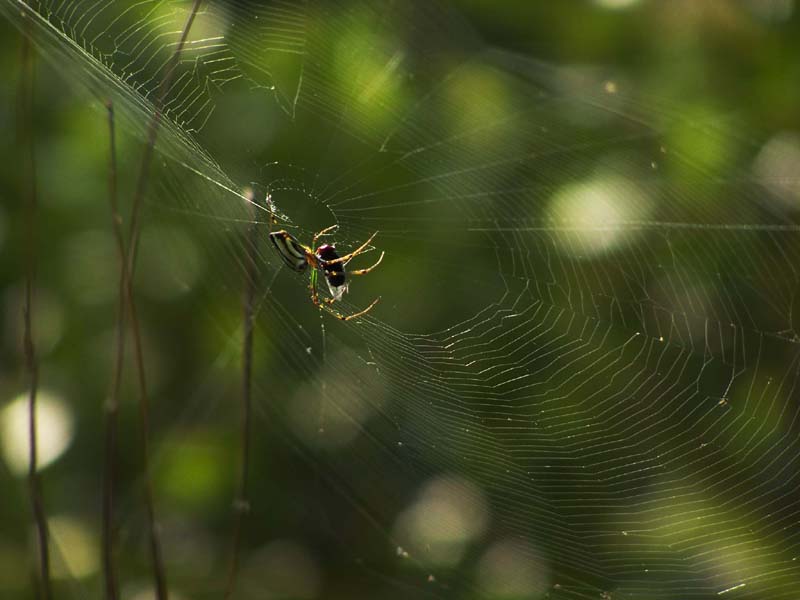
{"x":327,"y":252}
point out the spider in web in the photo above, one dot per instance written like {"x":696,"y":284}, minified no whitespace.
{"x":324,"y":260}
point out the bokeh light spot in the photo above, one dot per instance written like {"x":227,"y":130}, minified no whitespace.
{"x":511,"y":569}
{"x":616,"y":4}
{"x":74,"y":548}
{"x":54,"y":431}
{"x":771,"y":11}
{"x":333,"y":415}
{"x":281,"y":570}
{"x":194,"y":469}
{"x":448,"y":514}
{"x":597,"y":211}
{"x":777,"y":167}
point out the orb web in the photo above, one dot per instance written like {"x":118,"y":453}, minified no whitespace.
{"x":581,"y":378}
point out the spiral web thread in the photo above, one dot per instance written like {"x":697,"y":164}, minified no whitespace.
{"x":612,"y":401}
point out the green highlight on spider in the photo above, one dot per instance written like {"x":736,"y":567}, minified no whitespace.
{"x":325,"y":260}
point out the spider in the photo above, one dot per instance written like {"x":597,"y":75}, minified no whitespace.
{"x":323,"y":260}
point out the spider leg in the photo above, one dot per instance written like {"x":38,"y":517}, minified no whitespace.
{"x":368,"y":269}
{"x":348,"y":257}
{"x":348,"y":317}
{"x":321,"y":233}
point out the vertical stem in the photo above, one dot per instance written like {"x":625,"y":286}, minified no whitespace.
{"x":141,"y":185}
{"x":112,"y":404}
{"x":159,"y":572}
{"x":25,"y":115}
{"x":242,"y":503}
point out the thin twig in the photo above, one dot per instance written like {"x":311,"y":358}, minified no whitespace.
{"x":26,"y":140}
{"x":112,"y":404}
{"x":129,"y":267}
{"x":155,"y":545}
{"x":242,"y":503}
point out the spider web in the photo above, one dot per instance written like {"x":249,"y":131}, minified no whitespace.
{"x":581,"y":378}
